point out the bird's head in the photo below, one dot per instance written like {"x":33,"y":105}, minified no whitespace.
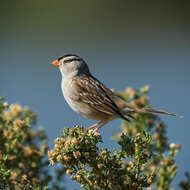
{"x":71,"y":64}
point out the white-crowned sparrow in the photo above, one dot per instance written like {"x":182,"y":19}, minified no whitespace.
{"x":89,"y":97}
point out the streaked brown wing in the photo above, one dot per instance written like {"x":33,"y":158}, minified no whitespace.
{"x":100,"y":99}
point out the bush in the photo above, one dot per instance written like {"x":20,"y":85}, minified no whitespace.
{"x":145,"y":159}
{"x":23,"y":164}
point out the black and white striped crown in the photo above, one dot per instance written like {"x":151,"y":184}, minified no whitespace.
{"x":69,"y":58}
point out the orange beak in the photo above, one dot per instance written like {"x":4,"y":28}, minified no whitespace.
{"x":56,"y":63}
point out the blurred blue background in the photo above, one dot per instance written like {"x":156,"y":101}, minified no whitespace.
{"x":125,"y":43}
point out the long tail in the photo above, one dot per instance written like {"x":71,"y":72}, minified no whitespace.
{"x":153,"y":111}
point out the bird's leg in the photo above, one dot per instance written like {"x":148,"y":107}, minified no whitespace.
{"x":95,"y":125}
{"x":98,"y":128}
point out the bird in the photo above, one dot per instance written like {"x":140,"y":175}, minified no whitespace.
{"x":90,"y":98}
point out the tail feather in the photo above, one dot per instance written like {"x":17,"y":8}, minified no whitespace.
{"x":150,"y":110}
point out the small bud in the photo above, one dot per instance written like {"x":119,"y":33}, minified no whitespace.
{"x":74,"y":141}
{"x":99,"y":166}
{"x":77,"y":154}
{"x":137,"y":148}
{"x":71,"y":130}
{"x":138,"y":135}
{"x":143,"y":99}
{"x":17,"y":128}
{"x":135,"y":103}
{"x":14,"y":175}
{"x":104,"y":152}
{"x":90,"y":131}
{"x":131,"y":163}
{"x":28,"y":151}
{"x":72,"y":177}
{"x":150,"y":179}
{"x":5,"y":104}
{"x":24,"y":178}
{"x":177,"y":146}
{"x":146,"y":88}
{"x":59,"y":158}
{"x":66,"y":158}
{"x":69,"y":172}
{"x":15,"y":109}
{"x":5,"y":133}
{"x":172,"y":145}
{"x":50,"y":153}
{"x":130,"y":91}
{"x":58,"y":140}
{"x":79,"y":178}
{"x":18,"y":122}
{"x":174,"y":167}
{"x":56,"y":146}
{"x":156,"y":136}
{"x":143,"y":167}
{"x":7,"y":116}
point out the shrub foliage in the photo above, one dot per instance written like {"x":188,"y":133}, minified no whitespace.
{"x":143,"y":159}
{"x":23,"y":164}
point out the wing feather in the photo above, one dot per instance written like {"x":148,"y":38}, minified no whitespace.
{"x":100,"y":99}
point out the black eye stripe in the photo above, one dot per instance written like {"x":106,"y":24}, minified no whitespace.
{"x":73,"y":59}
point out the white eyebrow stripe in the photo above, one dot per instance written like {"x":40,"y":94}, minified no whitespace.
{"x":70,"y":58}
